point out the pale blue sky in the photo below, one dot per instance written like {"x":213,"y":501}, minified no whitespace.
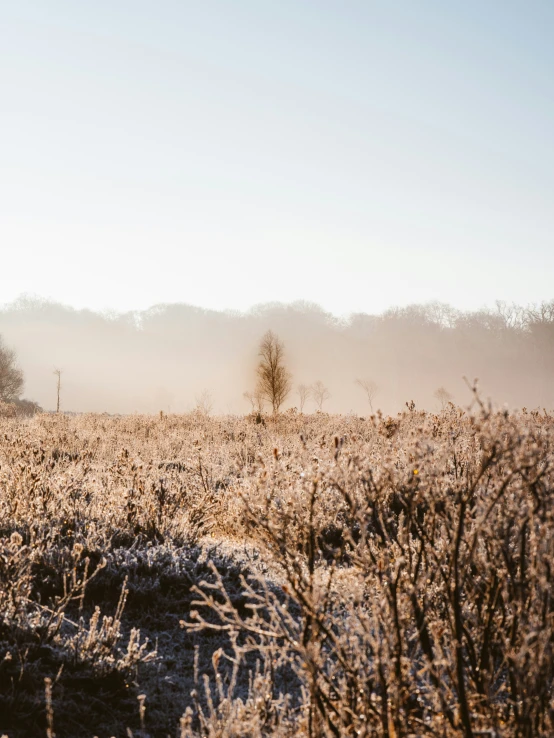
{"x":355,"y":154}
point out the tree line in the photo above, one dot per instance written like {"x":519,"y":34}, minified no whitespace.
{"x":168,"y":356}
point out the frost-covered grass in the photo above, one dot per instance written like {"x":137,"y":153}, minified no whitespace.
{"x":304,"y":575}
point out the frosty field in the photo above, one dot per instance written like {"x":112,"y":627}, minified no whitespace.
{"x":303,"y":575}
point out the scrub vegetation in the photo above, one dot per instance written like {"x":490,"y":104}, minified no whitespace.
{"x":277,"y":575}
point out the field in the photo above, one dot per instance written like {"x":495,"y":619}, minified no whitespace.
{"x":304,"y":575}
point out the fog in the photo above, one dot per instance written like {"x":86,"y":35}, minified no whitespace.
{"x":165,"y":357}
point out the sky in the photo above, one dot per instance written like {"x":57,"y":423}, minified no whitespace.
{"x":224,"y":153}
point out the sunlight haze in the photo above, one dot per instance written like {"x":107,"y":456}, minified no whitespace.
{"x":277,"y":368}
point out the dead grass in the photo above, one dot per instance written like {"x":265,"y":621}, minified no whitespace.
{"x":305,"y":575}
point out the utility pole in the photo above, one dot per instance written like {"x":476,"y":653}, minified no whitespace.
{"x":58,"y":373}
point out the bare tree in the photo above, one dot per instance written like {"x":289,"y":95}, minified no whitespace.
{"x":304,"y":393}
{"x":443,"y":396}
{"x":255,"y":399}
{"x":204,"y":402}
{"x":513,"y":316}
{"x":26,"y":408}
{"x":320,"y":393}
{"x":11,"y":376}
{"x":251,"y":399}
{"x":370,"y":388}
{"x":58,"y":373}
{"x":274,"y":379}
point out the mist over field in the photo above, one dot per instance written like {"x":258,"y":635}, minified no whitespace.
{"x":164,"y":358}
{"x":277,"y":369}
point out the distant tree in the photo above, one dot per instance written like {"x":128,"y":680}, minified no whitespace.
{"x":259,"y":398}
{"x":441,"y":314}
{"x":26,"y":408}
{"x":540,"y":314}
{"x":304,"y":393}
{"x":513,"y":316}
{"x":204,"y":402}
{"x":443,"y":396}
{"x":540,"y":329}
{"x":370,"y":388}
{"x":320,"y":393}
{"x":11,"y":376}
{"x":255,"y":399}
{"x":251,"y":399}
{"x":58,"y":373}
{"x":274,"y":379}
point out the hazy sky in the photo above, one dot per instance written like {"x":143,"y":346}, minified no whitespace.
{"x":357,"y":154}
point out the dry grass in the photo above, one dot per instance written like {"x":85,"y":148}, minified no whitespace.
{"x":304,"y":575}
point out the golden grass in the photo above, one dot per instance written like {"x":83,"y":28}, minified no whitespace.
{"x":305,"y":575}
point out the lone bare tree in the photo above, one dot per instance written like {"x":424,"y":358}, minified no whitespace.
{"x":204,"y":402}
{"x":320,"y":393}
{"x":255,"y":399}
{"x":370,"y":388}
{"x":11,"y":376}
{"x":304,"y":393}
{"x":274,"y":379}
{"x":443,"y":396}
{"x":58,"y":373}
{"x":251,"y":399}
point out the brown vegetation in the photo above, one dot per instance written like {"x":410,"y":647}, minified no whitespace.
{"x":305,"y":576}
{"x":11,"y":376}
